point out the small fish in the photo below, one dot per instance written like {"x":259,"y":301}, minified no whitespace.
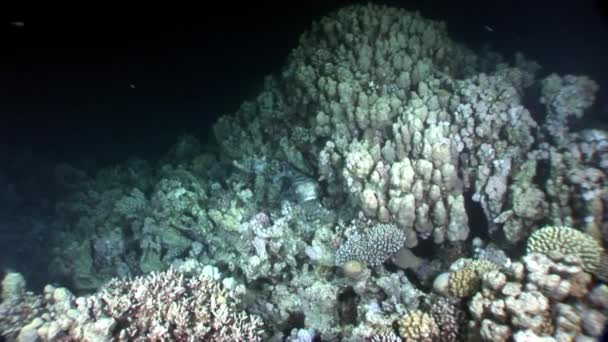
{"x":132,"y":85}
{"x":18,"y":24}
{"x":488,"y":28}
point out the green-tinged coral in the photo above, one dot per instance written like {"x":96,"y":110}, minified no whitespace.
{"x":567,"y":240}
{"x":528,"y":199}
{"x":174,"y":242}
{"x":150,"y":261}
{"x":419,"y":326}
{"x":76,"y":261}
{"x":227,"y":218}
{"x":132,"y":204}
{"x":466,"y":280}
{"x":527,"y":204}
{"x":353,"y":269}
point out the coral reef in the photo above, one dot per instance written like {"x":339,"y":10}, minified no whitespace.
{"x":448,"y":315}
{"x":568,"y":241}
{"x":418,"y":326}
{"x":380,"y":153}
{"x":17,"y":305}
{"x":536,"y":298}
{"x":406,"y":122}
{"x":185,"y":304}
{"x":372,"y":247}
{"x":465,"y":278}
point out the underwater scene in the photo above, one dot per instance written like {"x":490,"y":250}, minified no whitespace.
{"x":388,"y":182}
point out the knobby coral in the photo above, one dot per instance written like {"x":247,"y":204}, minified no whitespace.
{"x":567,"y":241}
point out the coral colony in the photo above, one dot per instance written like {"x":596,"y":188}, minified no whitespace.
{"x":347,"y":214}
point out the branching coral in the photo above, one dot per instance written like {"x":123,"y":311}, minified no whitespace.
{"x":171,"y":305}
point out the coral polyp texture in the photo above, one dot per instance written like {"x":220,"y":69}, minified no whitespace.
{"x":418,"y":326}
{"x":567,"y":241}
{"x":448,"y":315}
{"x":336,"y":194}
{"x":372,"y":247}
{"x":171,"y":306}
{"x":465,"y":278}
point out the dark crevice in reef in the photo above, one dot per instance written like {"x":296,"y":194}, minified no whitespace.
{"x":531,"y":101}
{"x":516,"y":251}
{"x":296,"y":320}
{"x":542,"y":173}
{"x":347,"y":311}
{"x":425,"y":248}
{"x":478,"y":222}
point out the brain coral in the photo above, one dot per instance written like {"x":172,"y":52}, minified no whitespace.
{"x":566,"y":240}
